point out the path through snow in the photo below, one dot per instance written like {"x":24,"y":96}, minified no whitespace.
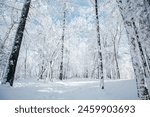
{"x":83,"y":89}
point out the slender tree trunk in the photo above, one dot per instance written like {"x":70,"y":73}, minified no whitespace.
{"x":51,"y":72}
{"x":147,"y":60}
{"x":140,"y":50}
{"x":11,"y":67}
{"x":100,"y":47}
{"x":134,"y":48}
{"x":62,"y":48}
{"x":43,"y":74}
{"x":144,"y":30}
{"x":116,"y":62}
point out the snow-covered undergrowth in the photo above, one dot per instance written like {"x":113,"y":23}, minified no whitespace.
{"x":83,"y":89}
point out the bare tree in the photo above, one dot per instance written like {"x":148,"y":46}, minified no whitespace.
{"x":115,"y":40}
{"x":12,"y":62}
{"x":62,"y":44}
{"x":127,"y":13}
{"x":99,"y":46}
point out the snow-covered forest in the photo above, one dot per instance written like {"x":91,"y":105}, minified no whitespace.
{"x":75,"y":49}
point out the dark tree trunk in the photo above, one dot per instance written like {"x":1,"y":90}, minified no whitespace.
{"x":147,"y":60}
{"x":144,"y":30}
{"x":62,"y":48}
{"x":99,"y":46}
{"x":51,"y":72}
{"x":145,"y":66}
{"x":10,"y":70}
{"x":43,"y":69}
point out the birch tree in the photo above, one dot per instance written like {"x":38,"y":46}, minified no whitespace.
{"x":127,"y":12}
{"x":99,"y":47}
{"x":12,"y":62}
{"x":62,"y":43}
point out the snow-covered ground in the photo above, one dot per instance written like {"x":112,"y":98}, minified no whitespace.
{"x":83,"y":89}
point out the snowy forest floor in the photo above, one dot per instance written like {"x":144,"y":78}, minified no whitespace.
{"x":82,"y":89}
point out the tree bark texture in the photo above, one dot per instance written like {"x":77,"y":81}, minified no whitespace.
{"x":12,"y":62}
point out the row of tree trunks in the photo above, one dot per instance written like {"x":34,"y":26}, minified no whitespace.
{"x":126,"y":9}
